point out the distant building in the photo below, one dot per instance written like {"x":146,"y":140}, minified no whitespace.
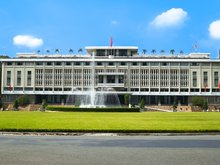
{"x":159,"y":79}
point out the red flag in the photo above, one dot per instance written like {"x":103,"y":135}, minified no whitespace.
{"x":111,"y":42}
{"x":204,"y":87}
{"x":219,"y":86}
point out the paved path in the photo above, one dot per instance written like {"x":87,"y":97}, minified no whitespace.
{"x":103,"y":150}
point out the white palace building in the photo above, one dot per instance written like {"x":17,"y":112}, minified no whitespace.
{"x":159,"y":79}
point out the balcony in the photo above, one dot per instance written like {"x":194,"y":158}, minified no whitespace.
{"x":110,"y":85}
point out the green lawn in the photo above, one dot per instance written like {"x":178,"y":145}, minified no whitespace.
{"x":110,"y":122}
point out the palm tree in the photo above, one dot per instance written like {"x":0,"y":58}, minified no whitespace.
{"x":70,"y":51}
{"x":181,"y":52}
{"x":144,"y":51}
{"x":162,"y":51}
{"x":48,"y":51}
{"x":153,"y":51}
{"x":38,"y":51}
{"x":172,"y":51}
{"x":57,"y":51}
{"x":80,"y":50}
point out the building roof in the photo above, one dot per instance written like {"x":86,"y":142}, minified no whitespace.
{"x":111,"y":47}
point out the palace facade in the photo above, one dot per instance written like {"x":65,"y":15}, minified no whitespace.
{"x":159,"y":79}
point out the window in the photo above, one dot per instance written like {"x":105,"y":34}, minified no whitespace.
{"x":8,"y":78}
{"x":100,"y":52}
{"x":9,"y":63}
{"x":184,"y":64}
{"x":216,"y":79}
{"x":99,"y":63}
{"x":18,"y":78}
{"x":110,"y":79}
{"x":49,"y":63}
{"x":174,"y":64}
{"x":134,"y":63}
{"x":144,"y":64}
{"x":39,"y":63}
{"x":205,"y":64}
{"x":29,"y":78}
{"x":164,"y":64}
{"x":19,"y":63}
{"x":121,"y":79}
{"x":68,"y":63}
{"x":194,"y":79}
{"x":195,"y":64}
{"x":58,"y":63}
{"x":111,"y":52}
{"x":111,"y":64}
{"x":205,"y":78}
{"x":122,"y":63}
{"x":77,"y":63}
{"x":101,"y":78}
{"x":29,"y":63}
{"x":87,"y":63}
{"x":123,"y":52}
{"x":154,"y":64}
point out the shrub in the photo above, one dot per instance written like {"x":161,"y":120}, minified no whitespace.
{"x":44,"y":105}
{"x":74,"y":109}
{"x":23,"y":100}
{"x":126,"y":99}
{"x":16,"y":105}
{"x":142,"y":104}
{"x":1,"y":103}
{"x":201,"y":102}
{"x":205,"y":106}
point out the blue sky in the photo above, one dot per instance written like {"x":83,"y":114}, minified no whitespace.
{"x":31,"y":25}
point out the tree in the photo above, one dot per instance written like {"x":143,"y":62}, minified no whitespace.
{"x":153,"y":51}
{"x":181,"y":52}
{"x":38,"y":51}
{"x":16,"y":105}
{"x":144,"y":51}
{"x":198,"y":101}
{"x":172,"y":51}
{"x":205,"y":106}
{"x":142,"y":103}
{"x":1,"y":103}
{"x":44,"y":105}
{"x":162,"y":51}
{"x":4,"y":56}
{"x":57,"y":51}
{"x":48,"y":51}
{"x":23,"y":100}
{"x":126,"y":99}
{"x":80,"y":50}
{"x":70,"y":51}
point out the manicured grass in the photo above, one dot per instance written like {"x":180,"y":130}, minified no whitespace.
{"x":110,"y":122}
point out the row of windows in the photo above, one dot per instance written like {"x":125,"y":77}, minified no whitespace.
{"x":134,"y":77}
{"x":205,"y":79}
{"x":112,"y":63}
{"x":132,"y":89}
{"x":18,"y":80}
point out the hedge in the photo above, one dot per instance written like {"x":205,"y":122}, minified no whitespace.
{"x":76,"y":109}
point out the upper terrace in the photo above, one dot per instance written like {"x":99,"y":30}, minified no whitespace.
{"x":116,"y":52}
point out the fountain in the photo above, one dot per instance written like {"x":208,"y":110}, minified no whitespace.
{"x":104,"y":97}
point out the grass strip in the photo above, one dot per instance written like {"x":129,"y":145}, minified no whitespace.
{"x":147,"y":122}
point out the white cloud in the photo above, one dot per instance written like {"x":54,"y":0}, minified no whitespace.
{"x":170,"y":18}
{"x":27,"y":41}
{"x":214,"y":29}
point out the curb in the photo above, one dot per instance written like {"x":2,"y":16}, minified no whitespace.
{"x":104,"y":134}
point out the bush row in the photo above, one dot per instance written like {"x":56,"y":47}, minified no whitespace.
{"x":76,"y":109}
